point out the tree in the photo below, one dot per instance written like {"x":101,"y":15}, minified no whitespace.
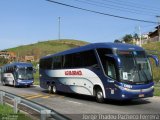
{"x":117,"y":41}
{"x":127,"y":38}
{"x":3,"y":61}
{"x":135,"y":36}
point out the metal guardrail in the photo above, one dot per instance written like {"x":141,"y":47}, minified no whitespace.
{"x":45,"y":112}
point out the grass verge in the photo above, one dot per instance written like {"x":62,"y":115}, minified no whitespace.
{"x":36,"y":78}
{"x":7,"y":113}
{"x":157,"y":90}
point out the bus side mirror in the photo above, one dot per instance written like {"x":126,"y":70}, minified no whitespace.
{"x":155,"y":59}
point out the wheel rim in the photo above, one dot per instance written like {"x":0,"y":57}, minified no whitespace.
{"x":49,"y":88}
{"x":54,"y":89}
{"x":99,"y":95}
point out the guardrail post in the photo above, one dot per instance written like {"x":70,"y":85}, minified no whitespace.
{"x":16,"y":101}
{"x":45,"y":114}
{"x":1,"y":97}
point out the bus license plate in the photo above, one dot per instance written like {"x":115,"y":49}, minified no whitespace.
{"x":141,"y":95}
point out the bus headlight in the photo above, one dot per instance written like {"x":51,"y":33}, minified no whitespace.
{"x":123,"y":96}
{"x":19,"y":80}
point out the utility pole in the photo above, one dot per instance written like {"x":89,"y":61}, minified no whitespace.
{"x":158,"y":29}
{"x":140,"y":36}
{"x":59,"y":28}
{"x":18,"y":56}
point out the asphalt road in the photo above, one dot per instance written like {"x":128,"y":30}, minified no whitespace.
{"x":85,"y":107}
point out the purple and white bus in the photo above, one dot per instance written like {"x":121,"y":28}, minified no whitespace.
{"x":17,"y":74}
{"x":104,"y":70}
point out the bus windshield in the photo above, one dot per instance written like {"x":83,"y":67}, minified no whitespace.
{"x":135,"y":67}
{"x":25,"y":73}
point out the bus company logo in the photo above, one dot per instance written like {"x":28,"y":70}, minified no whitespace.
{"x":73,"y":72}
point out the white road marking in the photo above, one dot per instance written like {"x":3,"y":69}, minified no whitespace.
{"x":74,"y":102}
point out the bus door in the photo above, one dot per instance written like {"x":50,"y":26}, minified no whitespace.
{"x":111,"y":74}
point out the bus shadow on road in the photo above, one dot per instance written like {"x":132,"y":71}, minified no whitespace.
{"x":21,"y":86}
{"x":74,"y":96}
{"x":107,"y":101}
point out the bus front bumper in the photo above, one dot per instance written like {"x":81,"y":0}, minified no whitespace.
{"x":24,"y":82}
{"x":136,"y":94}
{"x":122,"y":93}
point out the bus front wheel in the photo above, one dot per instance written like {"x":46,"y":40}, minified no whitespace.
{"x":99,"y":95}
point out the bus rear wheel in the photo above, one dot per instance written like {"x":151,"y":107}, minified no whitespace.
{"x":54,"y":89}
{"x":99,"y":95}
{"x":50,"y":89}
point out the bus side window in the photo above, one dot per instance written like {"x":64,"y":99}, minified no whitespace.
{"x":57,"y":62}
{"x":110,"y":69}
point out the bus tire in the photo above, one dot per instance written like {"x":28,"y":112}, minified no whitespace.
{"x":99,"y":95}
{"x":50,"y":89}
{"x":14,"y":84}
{"x":54,"y":89}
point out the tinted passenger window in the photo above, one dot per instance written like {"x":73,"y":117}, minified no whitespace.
{"x":89,"y":58}
{"x":57,"y":62}
{"x":46,"y":63}
{"x":75,"y":60}
{"x":67,"y":61}
{"x":79,"y":60}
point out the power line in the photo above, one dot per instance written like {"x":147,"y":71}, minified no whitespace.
{"x":101,"y":13}
{"x":133,"y":5}
{"x":125,"y":7}
{"x":115,"y":7}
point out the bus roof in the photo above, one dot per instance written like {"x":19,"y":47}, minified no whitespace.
{"x":19,"y":64}
{"x":119,"y":46}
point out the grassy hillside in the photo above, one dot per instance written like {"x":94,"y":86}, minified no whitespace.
{"x":46,"y":47}
{"x":53,"y":46}
{"x":155,"y":49}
